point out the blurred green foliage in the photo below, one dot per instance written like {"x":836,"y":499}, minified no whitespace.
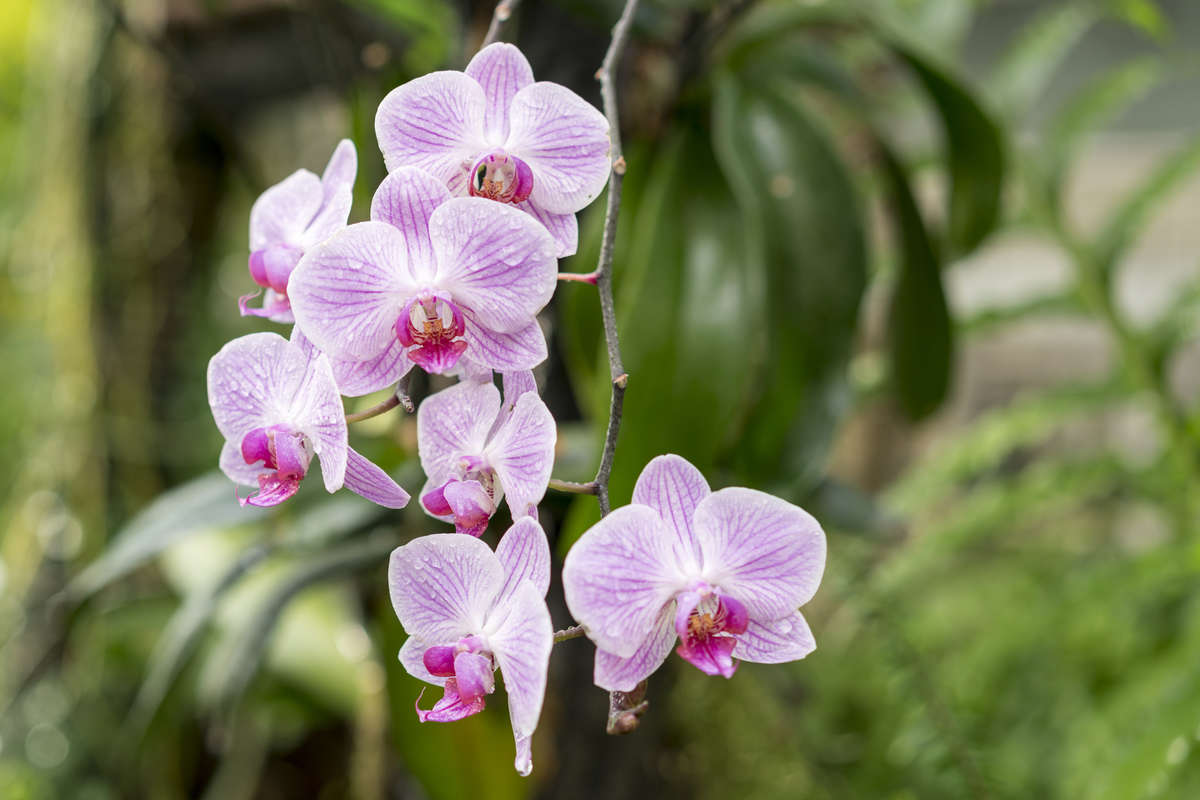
{"x":1009,"y":613}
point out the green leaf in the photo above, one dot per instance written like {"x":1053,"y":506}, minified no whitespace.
{"x":799,"y":206}
{"x":975,"y":152}
{"x":1126,"y":222}
{"x":1100,"y":101}
{"x":920,"y":333}
{"x":202,"y":504}
{"x":1033,"y":60}
{"x":181,"y":637}
{"x":1142,"y":14}
{"x":690,"y":314}
{"x":247,"y":651}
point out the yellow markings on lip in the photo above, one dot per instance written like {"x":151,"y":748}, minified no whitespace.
{"x":701,"y":626}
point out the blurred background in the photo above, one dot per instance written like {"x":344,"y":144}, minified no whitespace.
{"x":927,"y":267}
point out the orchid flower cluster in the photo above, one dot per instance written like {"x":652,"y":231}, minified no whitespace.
{"x":487,"y":169}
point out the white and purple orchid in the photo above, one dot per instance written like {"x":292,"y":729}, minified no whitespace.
{"x":430,"y":280}
{"x":468,"y":611}
{"x":289,"y":218}
{"x":476,"y":450}
{"x":277,"y":405}
{"x":724,"y":572}
{"x":493,"y":132}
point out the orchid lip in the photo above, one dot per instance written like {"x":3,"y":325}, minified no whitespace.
{"x":500,"y":176}
{"x":708,"y":623}
{"x":284,"y":454}
{"x":433,"y":327}
{"x":272,"y":266}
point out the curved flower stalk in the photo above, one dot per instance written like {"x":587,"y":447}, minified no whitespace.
{"x":493,"y":132}
{"x":431,"y":280}
{"x":723,"y":572}
{"x":288,"y":219}
{"x":277,"y":405}
{"x":476,"y":450}
{"x":468,"y":611}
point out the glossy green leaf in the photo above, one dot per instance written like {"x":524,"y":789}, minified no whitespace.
{"x":975,"y":152}
{"x":247,"y":651}
{"x":689,"y":311}
{"x":202,"y":504}
{"x":181,"y":637}
{"x":920,"y":332}
{"x":799,"y":205}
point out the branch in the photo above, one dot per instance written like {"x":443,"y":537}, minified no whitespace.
{"x":503,"y":11}
{"x":399,"y":397}
{"x":572,"y":487}
{"x":573,"y":632}
{"x":616,"y":370}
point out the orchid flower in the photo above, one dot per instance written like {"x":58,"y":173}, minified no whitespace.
{"x":468,"y":611}
{"x":476,"y":450}
{"x":724,"y":572}
{"x":429,"y":280}
{"x":492,"y":132}
{"x":288,"y":219}
{"x":277,"y":405}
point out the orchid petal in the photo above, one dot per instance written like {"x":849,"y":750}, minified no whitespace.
{"x":673,"y":487}
{"x":563,"y":227}
{"x":348,"y":292}
{"x":238,"y":378}
{"x":618,"y":674}
{"x":524,"y":554}
{"x":515,"y":384}
{"x":412,"y":658}
{"x":406,"y":200}
{"x":235,"y":467}
{"x":503,"y":352}
{"x":453,"y":423}
{"x":341,"y":169}
{"x":315,"y":409}
{"x":502,"y":71}
{"x":366,"y":479}
{"x":522,"y":454}
{"x":282,"y":212}
{"x":357,"y":377}
{"x":337,"y":194}
{"x":618,"y":577}
{"x":785,"y":639}
{"x":762,"y":550}
{"x":494,"y":260}
{"x":434,"y":123}
{"x":443,"y":585}
{"x":564,"y":139}
{"x":522,"y":647}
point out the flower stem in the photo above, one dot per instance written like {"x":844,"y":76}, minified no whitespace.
{"x":573,"y":487}
{"x":603,"y":273}
{"x":399,"y":397}
{"x":573,"y":632}
{"x":580,"y":277}
{"x":503,"y":11}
